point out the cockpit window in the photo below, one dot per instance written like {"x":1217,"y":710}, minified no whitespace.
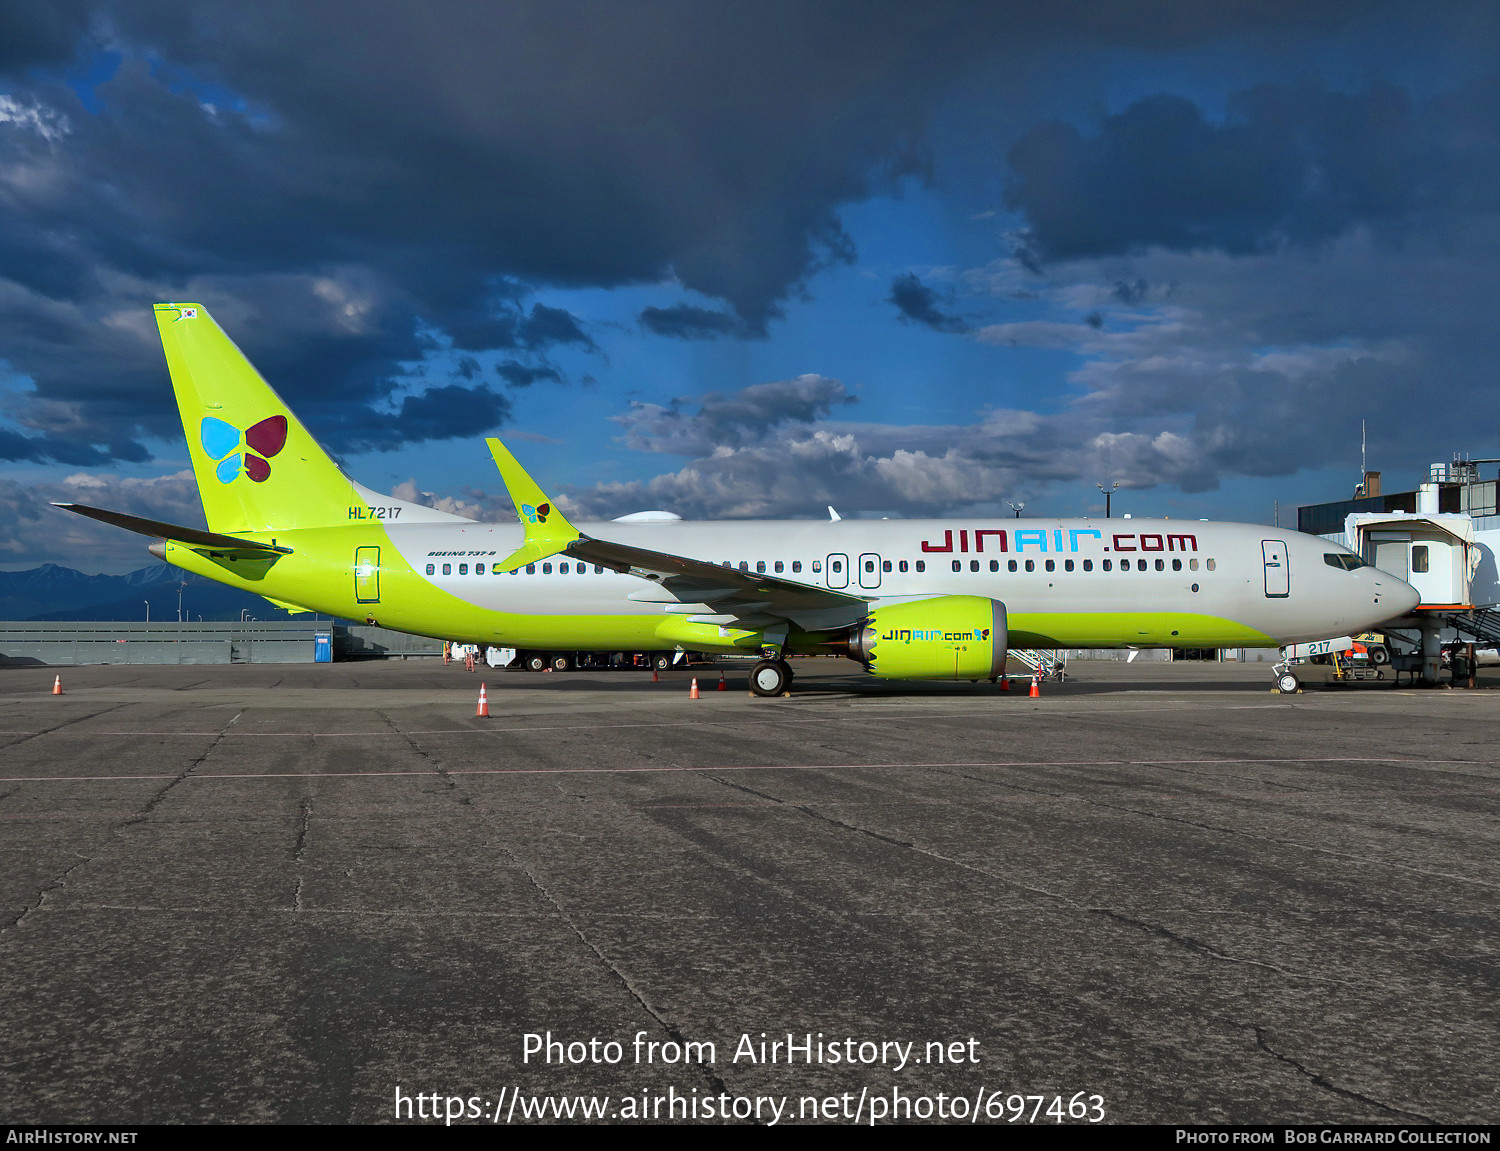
{"x":1343,"y":560}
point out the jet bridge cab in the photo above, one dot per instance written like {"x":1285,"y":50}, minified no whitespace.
{"x":1434,"y":552}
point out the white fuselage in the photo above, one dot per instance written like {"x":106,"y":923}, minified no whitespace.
{"x":1272,"y":582}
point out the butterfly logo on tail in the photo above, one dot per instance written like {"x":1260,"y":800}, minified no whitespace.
{"x":223,"y":441}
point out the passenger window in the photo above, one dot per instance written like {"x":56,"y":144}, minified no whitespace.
{"x":1140,"y":565}
{"x":796,"y":567}
{"x":836,"y":566}
{"x":817,"y":566}
{"x":1088,"y":565}
{"x":760,"y":567}
{"x":598,"y":569}
{"x":921,"y":565}
{"x":479,"y":569}
{"x":1031,"y":565}
{"x":1106,"y":565}
{"x":463,"y":569}
{"x":1419,"y":558}
{"x":531,"y":569}
{"x":885,"y":565}
{"x":973,"y":565}
{"x":583,"y":569}
{"x":546,"y":569}
{"x":1211,"y":565}
{"x":869,"y":567}
{"x":1067,"y":565}
{"x":1161,"y":565}
{"x":744,"y":565}
{"x":779,"y":567}
{"x":447,"y":569}
{"x":562,"y":569}
{"x":994,"y":565}
{"x":1192,"y":565}
{"x":1011,"y":565}
{"x":1051,"y":565}
{"x":431,"y":569}
{"x":958,"y":565}
{"x":1176,"y":565}
{"x":903,"y":565}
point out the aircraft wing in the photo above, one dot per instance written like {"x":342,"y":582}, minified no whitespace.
{"x":724,"y":596}
{"x":177,"y":533}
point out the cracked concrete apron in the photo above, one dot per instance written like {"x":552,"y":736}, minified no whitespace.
{"x":281,"y":893}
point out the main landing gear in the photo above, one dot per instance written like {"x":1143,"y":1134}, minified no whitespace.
{"x":771,"y":677}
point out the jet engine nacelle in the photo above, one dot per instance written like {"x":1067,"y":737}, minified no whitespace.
{"x":946,"y":637}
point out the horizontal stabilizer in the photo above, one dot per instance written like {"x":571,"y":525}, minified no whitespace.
{"x":174,"y":532}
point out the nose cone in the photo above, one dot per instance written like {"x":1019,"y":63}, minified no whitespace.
{"x":1398,"y":595}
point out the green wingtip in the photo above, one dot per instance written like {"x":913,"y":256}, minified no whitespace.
{"x":547,"y":529}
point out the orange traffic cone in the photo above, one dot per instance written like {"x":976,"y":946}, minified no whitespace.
{"x":1005,"y":683}
{"x":57,"y":686}
{"x":1036,"y":690}
{"x":483,"y":710}
{"x":654,"y":677}
{"x":722,"y":685}
{"x":693,"y":691}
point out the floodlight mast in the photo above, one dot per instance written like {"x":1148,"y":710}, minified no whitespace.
{"x":1108,"y":494}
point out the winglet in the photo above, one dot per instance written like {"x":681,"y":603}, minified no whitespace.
{"x":547,"y":529}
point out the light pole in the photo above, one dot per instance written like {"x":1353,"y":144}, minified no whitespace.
{"x":179,"y":601}
{"x":1017,"y":508}
{"x":1108,"y":492}
{"x":148,"y":609}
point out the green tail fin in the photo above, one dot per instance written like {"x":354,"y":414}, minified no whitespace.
{"x":257,"y":467}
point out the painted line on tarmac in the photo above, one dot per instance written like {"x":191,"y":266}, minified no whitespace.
{"x":732,"y":767}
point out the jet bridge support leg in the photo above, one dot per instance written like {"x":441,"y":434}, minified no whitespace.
{"x":1432,"y":653}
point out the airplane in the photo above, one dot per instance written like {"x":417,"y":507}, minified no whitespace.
{"x":906,"y":599}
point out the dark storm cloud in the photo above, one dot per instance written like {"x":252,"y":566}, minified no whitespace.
{"x":522,"y":376}
{"x":918,"y":303}
{"x":360,"y":182}
{"x":686,"y":322}
{"x":445,"y":412}
{"x":1287,"y":166}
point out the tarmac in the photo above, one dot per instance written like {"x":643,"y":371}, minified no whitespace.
{"x":303,"y":893}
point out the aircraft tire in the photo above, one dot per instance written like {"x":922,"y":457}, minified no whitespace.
{"x":536,"y":662}
{"x":1288,"y":684}
{"x":770,"y":678}
{"x":661,"y":661}
{"x":562,"y":663}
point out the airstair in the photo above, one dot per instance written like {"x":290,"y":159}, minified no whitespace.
{"x":1482,"y":624}
{"x":1052,"y":664}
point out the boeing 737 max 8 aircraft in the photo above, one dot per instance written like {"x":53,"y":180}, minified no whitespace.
{"x":908,"y":599}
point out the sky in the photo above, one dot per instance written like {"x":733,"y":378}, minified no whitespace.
{"x":752,"y":259}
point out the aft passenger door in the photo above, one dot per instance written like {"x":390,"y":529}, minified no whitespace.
{"x":366,"y":575}
{"x":1278,"y":571}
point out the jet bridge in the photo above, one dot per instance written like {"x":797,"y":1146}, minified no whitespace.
{"x":1437,"y":553}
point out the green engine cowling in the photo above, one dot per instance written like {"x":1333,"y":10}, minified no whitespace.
{"x":946,"y":637}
